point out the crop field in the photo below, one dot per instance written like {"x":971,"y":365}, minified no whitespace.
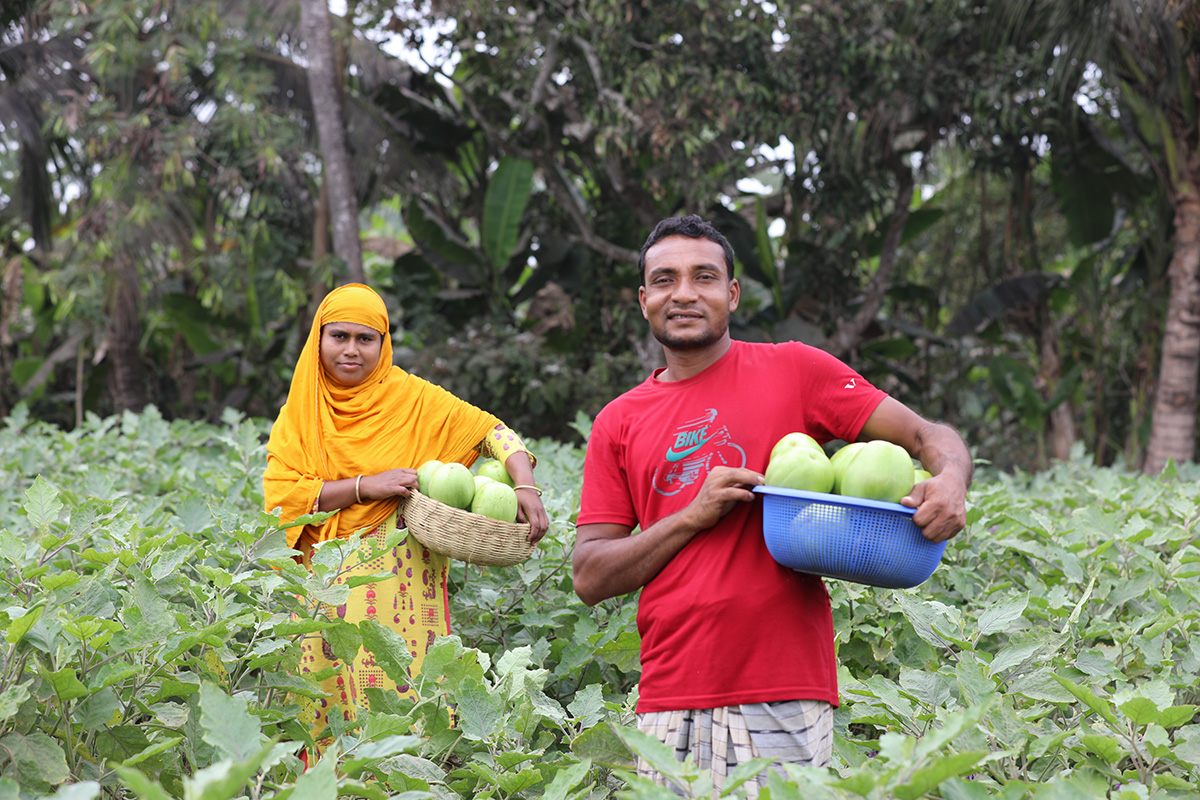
{"x":151,"y":615}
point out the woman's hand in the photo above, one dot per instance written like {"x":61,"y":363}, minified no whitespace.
{"x":391,"y":483}
{"x":531,"y":510}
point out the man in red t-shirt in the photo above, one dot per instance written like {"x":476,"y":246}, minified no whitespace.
{"x":737,"y":651}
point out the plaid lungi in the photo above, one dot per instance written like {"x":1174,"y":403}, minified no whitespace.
{"x":790,"y":731}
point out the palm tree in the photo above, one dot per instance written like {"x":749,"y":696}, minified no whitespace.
{"x":1149,"y":52}
{"x":31,"y":69}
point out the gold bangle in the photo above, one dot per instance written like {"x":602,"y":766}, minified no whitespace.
{"x":357,"y":496}
{"x":536,"y":489}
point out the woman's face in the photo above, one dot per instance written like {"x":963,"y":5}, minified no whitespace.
{"x":349,"y":351}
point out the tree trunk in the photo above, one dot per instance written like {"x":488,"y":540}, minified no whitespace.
{"x":1023,"y":257}
{"x":318,"y":287}
{"x":323,"y":81}
{"x":126,"y":385}
{"x":1173,"y":427}
{"x":849,"y":333}
{"x":1063,"y":433}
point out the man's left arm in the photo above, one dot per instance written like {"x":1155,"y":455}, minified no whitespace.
{"x":940,"y":501}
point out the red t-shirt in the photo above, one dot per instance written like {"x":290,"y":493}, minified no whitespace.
{"x":722,"y":623}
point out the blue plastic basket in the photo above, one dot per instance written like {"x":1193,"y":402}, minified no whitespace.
{"x":847,"y":538}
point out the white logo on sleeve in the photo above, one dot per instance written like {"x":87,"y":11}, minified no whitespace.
{"x":850,"y":385}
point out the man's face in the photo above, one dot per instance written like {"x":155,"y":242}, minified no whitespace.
{"x":349,"y":351}
{"x":687,"y":296}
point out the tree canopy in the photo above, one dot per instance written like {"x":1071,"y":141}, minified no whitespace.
{"x":987,"y":212}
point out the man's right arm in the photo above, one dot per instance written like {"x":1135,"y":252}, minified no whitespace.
{"x":609,"y":562}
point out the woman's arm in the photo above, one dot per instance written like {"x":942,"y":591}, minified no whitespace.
{"x":529,"y":497}
{"x":365,"y":488}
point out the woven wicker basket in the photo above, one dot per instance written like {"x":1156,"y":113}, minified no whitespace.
{"x":462,"y":535}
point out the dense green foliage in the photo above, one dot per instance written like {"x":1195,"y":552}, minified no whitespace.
{"x":165,"y":236}
{"x":152,"y":618}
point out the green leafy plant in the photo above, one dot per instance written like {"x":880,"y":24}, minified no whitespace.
{"x":152,"y":616}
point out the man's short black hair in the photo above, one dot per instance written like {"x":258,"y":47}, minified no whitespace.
{"x":693,"y":227}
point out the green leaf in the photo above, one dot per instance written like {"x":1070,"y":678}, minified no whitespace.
{"x":1175,"y":716}
{"x":1140,"y":710}
{"x":344,"y":640}
{"x":333,"y":596}
{"x":1047,"y":745}
{"x":1165,"y":780}
{"x":1013,"y":655}
{"x":65,"y":683}
{"x":764,"y":250}
{"x":503,"y":205}
{"x":11,"y":700}
{"x":227,"y":779}
{"x":925,"y":616}
{"x":623,"y":652}
{"x":20,"y":625}
{"x":743,"y":773}
{"x":319,"y":782}
{"x":40,"y":760}
{"x":445,"y":651}
{"x":439,"y":244}
{"x":601,"y":744}
{"x":389,"y":648}
{"x":954,"y":726}
{"x":355,"y":581}
{"x":973,"y":680}
{"x":97,"y":710}
{"x":154,"y":749}
{"x":1106,"y":747}
{"x":415,"y":769}
{"x":960,"y":789}
{"x":927,"y":779}
{"x":1093,"y":702}
{"x":227,"y":724}
{"x":660,"y":757}
{"x":860,"y":783}
{"x":302,"y":626}
{"x":998,"y":617}
{"x":930,"y":688}
{"x":25,"y":368}
{"x":919,"y":220}
{"x":42,"y":503}
{"x":12,"y":549}
{"x":149,"y":616}
{"x":567,"y":779}
{"x":588,"y":706}
{"x":84,"y":790}
{"x":369,"y":753}
{"x":146,"y":788}
{"x":514,"y":784}
{"x":480,"y":712}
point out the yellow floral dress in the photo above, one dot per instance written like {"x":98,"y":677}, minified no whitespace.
{"x":413,"y":602}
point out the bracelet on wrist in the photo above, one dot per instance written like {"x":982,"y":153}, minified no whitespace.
{"x":536,"y":489}
{"x":357,"y":496}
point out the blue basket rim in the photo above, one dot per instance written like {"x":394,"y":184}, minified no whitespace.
{"x":835,"y":499}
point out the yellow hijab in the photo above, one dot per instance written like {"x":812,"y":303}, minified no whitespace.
{"x":326,"y":431}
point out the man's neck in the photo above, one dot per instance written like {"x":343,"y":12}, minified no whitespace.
{"x":684,"y":364}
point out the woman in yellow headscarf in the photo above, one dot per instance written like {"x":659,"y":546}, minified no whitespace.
{"x":353,"y":431}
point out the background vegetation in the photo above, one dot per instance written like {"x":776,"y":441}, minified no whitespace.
{"x":990,"y":210}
